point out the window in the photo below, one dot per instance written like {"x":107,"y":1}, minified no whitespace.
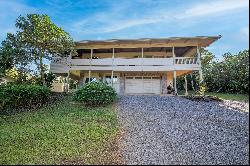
{"x":92,"y":79}
{"x":108,"y":79}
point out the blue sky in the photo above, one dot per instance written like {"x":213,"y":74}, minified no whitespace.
{"x":109,"y":19}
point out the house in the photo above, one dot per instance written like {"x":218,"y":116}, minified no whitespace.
{"x":138,"y":66}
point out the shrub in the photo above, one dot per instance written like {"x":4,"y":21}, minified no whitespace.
{"x":95,"y":93}
{"x":22,"y":96}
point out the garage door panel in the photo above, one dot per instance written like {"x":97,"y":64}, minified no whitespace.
{"x":137,"y":85}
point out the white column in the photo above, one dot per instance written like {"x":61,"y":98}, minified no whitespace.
{"x":200,"y":71}
{"x":199,"y":60}
{"x":142,"y":52}
{"x":175,"y":87}
{"x":186,"y":88}
{"x":112,"y":73}
{"x":91,"y":55}
{"x":198,"y":55}
{"x":173,"y":52}
{"x":67,"y":79}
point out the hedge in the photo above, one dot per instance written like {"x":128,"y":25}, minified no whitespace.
{"x":22,"y":96}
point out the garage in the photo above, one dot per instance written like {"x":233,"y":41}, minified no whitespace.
{"x":142,"y":85}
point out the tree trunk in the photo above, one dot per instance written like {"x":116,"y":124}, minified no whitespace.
{"x":42,"y":70}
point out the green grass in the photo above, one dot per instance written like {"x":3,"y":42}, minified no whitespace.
{"x":228,"y":96}
{"x":61,"y":133}
{"x":225,"y":96}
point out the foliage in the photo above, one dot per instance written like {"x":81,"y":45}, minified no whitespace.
{"x":37,"y":39}
{"x":202,"y":89}
{"x":13,"y":54}
{"x":22,"y":96}
{"x":72,"y":84}
{"x":61,"y":133}
{"x":170,"y":89}
{"x":95,"y":94}
{"x":43,"y":38}
{"x":229,"y":75}
{"x":49,"y":78}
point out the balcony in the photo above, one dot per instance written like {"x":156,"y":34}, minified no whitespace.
{"x":60,"y":65}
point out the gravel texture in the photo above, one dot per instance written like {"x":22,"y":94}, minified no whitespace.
{"x":174,"y":130}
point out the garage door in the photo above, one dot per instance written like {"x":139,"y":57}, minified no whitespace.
{"x":142,"y":85}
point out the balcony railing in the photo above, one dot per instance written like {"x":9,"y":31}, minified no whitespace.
{"x":186,"y":60}
{"x":122,"y":64}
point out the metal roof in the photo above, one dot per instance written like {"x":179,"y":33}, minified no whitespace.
{"x":200,"y":40}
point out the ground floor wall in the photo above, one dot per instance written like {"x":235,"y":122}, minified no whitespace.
{"x":121,"y":83}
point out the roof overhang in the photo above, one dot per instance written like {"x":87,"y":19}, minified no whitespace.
{"x":201,"y":41}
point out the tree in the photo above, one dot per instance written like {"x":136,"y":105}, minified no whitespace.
{"x":12,"y":54}
{"x":37,"y":39}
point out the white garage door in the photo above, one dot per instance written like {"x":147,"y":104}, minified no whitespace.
{"x":142,"y":85}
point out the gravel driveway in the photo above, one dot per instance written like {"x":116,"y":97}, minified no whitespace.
{"x":175,"y":130}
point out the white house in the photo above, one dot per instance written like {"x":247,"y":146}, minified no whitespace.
{"x":138,"y":66}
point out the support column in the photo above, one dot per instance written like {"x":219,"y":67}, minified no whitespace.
{"x":112,"y":73}
{"x":67,"y":80}
{"x":175,"y":86}
{"x":173,"y":52}
{"x":91,"y":55}
{"x":198,"y":55}
{"x":186,"y":88}
{"x":142,"y":55}
{"x":199,"y":60}
{"x":200,"y":71}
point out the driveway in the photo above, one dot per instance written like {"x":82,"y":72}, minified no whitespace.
{"x":175,"y":130}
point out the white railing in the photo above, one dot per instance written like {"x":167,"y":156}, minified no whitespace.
{"x":124,"y":61}
{"x":123,"y":64}
{"x":186,"y":61}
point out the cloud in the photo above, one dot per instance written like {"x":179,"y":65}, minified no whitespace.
{"x":59,"y":3}
{"x":9,"y":8}
{"x":245,"y":32}
{"x":242,"y":35}
{"x":213,"y":8}
{"x":115,"y":19}
{"x":9,"y":11}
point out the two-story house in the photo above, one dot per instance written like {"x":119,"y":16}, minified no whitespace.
{"x":139,"y":66}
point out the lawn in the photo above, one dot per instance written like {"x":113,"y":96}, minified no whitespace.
{"x":228,"y":96}
{"x":225,"y":96}
{"x":62,"y":133}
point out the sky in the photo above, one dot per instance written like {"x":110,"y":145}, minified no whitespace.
{"x":132,"y":19}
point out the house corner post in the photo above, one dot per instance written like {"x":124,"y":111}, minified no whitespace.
{"x":142,"y":55}
{"x":67,"y":80}
{"x":200,"y":70}
{"x":173,"y":52}
{"x":175,"y":85}
{"x":90,"y":64}
{"x":186,"y":88}
{"x":112,"y":72}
